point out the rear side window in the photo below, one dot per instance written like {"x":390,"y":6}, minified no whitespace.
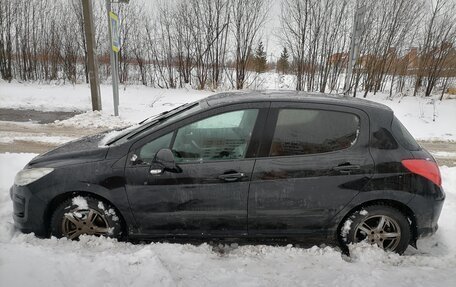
{"x":306,"y":131}
{"x":403,"y":136}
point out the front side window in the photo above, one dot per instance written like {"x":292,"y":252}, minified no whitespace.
{"x":306,"y":131}
{"x":147,"y":152}
{"x":224,"y":136}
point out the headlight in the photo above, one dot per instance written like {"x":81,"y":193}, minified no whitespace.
{"x":28,"y":176}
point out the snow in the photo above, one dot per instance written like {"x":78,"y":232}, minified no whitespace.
{"x":105,"y":262}
{"x":10,"y":137}
{"x":346,"y":228}
{"x":443,"y":154}
{"x":94,"y":119}
{"x":80,"y":202}
{"x":135,"y":102}
{"x":113,"y":134}
{"x":139,"y":102}
{"x":28,"y":261}
{"x":363,"y":212}
{"x":425,"y":118}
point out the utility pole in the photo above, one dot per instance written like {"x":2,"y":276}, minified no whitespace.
{"x":91,"y":55}
{"x":357,"y":30}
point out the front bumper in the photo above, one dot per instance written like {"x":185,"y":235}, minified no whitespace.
{"x":28,"y":211}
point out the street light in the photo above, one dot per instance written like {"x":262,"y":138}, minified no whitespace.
{"x":114,"y":39}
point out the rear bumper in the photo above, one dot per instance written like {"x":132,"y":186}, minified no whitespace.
{"x":28,"y":211}
{"x":427,"y":231}
{"x":427,"y":211}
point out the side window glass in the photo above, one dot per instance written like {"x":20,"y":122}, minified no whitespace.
{"x":305,"y":131}
{"x":147,"y":152}
{"x":224,"y":136}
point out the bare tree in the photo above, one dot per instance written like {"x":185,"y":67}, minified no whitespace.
{"x":208,"y":44}
{"x":438,"y":43}
{"x":6,"y":36}
{"x":247,"y":20}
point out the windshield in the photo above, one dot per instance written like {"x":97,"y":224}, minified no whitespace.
{"x":160,"y":119}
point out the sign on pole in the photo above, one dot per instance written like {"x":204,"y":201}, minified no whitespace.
{"x":115,"y":39}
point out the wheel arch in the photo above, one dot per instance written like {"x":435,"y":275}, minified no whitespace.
{"x":59,"y":199}
{"x":403,"y":208}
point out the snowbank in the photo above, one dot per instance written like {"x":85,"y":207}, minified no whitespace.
{"x":139,"y":102}
{"x":28,"y":261}
{"x":425,"y":118}
{"x":136,"y":102}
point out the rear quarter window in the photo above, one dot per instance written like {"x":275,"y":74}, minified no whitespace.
{"x":403,"y":136}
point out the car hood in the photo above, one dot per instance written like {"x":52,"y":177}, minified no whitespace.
{"x":86,"y":149}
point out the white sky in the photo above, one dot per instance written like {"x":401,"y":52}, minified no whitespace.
{"x":270,"y":41}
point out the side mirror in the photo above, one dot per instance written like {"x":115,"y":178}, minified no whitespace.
{"x":164,"y":161}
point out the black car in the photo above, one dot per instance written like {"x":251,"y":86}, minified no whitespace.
{"x":256,"y":165}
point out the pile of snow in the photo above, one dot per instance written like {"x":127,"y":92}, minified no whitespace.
{"x":425,"y":118}
{"x":80,"y":202}
{"x":135,"y":102}
{"x":11,"y":137}
{"x":94,"y":119}
{"x":105,"y":262}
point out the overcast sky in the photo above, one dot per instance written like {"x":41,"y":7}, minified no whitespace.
{"x":270,"y":41}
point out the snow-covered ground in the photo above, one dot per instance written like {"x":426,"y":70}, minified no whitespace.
{"x":28,"y":261}
{"x":427,"y":119}
{"x":136,"y":102}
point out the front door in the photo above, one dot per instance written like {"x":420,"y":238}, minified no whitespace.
{"x":209,"y":196}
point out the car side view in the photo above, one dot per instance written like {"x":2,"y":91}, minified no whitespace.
{"x":279,"y":165}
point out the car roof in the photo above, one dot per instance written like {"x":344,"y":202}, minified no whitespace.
{"x":292,"y":96}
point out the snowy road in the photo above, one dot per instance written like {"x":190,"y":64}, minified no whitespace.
{"x":28,"y":261}
{"x":34,"y":116}
{"x":38,"y":138}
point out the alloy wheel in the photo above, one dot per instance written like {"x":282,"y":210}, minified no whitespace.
{"x":381,"y":230}
{"x":89,"y":221}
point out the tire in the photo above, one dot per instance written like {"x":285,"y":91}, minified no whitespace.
{"x":81,"y":215}
{"x":382,"y":225}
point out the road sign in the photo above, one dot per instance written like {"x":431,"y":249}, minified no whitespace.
{"x":115,"y":39}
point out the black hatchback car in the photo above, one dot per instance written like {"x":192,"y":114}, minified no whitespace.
{"x":256,"y":165}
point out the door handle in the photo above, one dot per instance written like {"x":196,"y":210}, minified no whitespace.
{"x":346,"y":169}
{"x":231,"y":176}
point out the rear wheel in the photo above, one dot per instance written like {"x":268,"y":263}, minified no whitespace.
{"x":85,"y":216}
{"x":381,"y":225}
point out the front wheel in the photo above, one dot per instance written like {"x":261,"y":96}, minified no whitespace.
{"x":379,"y":225}
{"x":85,"y":215}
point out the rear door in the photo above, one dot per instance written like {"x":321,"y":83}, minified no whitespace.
{"x":315,"y":159}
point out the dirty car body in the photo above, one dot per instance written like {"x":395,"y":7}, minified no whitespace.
{"x":257,"y":165}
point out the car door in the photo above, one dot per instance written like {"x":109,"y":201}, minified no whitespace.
{"x":208,"y":197}
{"x":315,"y":159}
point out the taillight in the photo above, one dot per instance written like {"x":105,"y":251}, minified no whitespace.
{"x":425,"y":168}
